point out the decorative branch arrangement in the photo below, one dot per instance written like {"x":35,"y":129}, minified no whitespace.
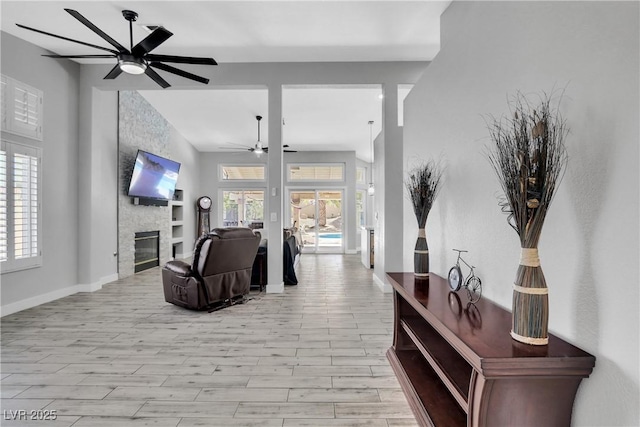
{"x":423,"y":185}
{"x":529,"y":158}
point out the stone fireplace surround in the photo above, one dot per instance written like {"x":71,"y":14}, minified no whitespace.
{"x":140,"y":126}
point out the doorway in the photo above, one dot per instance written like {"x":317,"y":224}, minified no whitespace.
{"x":318,"y":214}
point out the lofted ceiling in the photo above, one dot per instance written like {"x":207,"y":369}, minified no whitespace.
{"x":315,"y":118}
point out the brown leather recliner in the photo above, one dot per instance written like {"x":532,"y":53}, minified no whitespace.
{"x":220,"y":273}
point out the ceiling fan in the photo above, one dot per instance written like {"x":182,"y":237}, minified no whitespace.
{"x":258,"y":148}
{"x":137,"y":59}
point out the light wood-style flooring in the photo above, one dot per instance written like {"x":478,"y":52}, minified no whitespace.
{"x":122,"y":356}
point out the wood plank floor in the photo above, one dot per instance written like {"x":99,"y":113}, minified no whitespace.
{"x":122,"y":356}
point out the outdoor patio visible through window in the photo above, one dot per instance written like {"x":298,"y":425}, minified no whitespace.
{"x":243,"y":208}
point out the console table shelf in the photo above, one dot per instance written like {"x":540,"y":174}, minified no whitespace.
{"x":458,"y":365}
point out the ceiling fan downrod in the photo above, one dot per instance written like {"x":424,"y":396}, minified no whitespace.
{"x":130,"y":16}
{"x":258,"y":149}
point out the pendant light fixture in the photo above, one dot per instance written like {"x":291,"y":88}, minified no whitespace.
{"x":371,"y":190}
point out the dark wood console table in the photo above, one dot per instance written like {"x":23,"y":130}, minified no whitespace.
{"x":458,"y":365}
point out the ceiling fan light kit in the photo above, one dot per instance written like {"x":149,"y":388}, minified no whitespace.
{"x":136,"y":60}
{"x":131,"y":65}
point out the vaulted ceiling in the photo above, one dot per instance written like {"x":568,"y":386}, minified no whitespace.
{"x":316,"y":118}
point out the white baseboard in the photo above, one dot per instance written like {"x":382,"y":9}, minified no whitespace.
{"x":26,"y":303}
{"x":96,"y":286}
{"x":276,"y":289}
{"x":185,"y":255}
{"x":351,"y":251}
{"x":384,"y":287}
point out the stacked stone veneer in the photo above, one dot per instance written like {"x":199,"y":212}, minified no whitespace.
{"x":140,"y":127}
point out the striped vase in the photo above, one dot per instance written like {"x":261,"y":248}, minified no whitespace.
{"x":530,"y":318}
{"x":421,"y":256}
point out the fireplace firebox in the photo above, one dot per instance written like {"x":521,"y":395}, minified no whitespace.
{"x":147,"y":250}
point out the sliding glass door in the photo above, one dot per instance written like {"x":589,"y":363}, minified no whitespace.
{"x":319,"y":216}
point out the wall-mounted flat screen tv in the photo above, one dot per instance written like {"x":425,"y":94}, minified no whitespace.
{"x":153,"y":177}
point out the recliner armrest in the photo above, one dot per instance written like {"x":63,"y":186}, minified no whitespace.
{"x":178,"y":267}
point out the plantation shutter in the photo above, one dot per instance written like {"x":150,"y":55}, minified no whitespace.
{"x":25,"y":205}
{"x":20,"y":217}
{"x":21,"y":109}
{"x":3,"y":102}
{"x":3,"y":205}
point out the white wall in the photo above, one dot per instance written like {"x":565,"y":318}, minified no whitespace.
{"x":58,"y":275}
{"x":189,"y":182}
{"x":379,"y":203}
{"x":98,"y":187}
{"x":589,"y":245}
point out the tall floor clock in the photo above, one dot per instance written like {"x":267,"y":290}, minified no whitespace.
{"x":203,"y":205}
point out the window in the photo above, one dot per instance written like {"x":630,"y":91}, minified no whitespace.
{"x":361,"y":174}
{"x":360,"y":208}
{"x":325,"y":172}
{"x":242,"y":173}
{"x":243,"y":208}
{"x":20,"y":219}
{"x":21,"y":109}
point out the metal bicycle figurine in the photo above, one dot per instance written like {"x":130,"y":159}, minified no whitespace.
{"x":472,"y":283}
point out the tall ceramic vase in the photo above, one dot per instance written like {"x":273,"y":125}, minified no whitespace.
{"x":530,"y":319}
{"x":421,"y":256}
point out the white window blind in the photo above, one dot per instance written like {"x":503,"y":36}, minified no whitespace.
{"x":242,"y":173}
{"x":21,"y":108}
{"x":319,"y":172}
{"x":3,"y":100}
{"x":20,"y":218}
{"x":25,"y":205}
{"x":3,"y":205}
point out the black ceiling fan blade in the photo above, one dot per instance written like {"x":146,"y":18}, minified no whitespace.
{"x":266,"y":149}
{"x":115,"y":72}
{"x":156,"y":78}
{"x":181,"y":59}
{"x":67,"y":39}
{"x":80,"y":56}
{"x":176,"y":71}
{"x":152,"y":41}
{"x":97,"y":30}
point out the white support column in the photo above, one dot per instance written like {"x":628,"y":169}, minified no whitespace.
{"x":274,"y":217}
{"x":389,"y":191}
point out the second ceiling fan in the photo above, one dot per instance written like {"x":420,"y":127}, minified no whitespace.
{"x":258,"y":148}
